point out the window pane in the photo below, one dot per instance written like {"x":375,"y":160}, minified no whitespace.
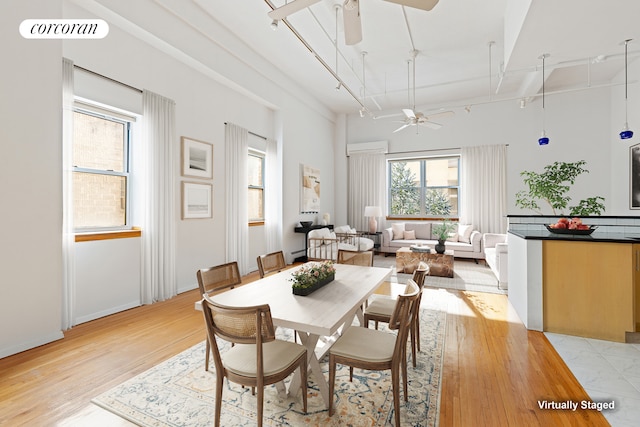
{"x":98,"y":143}
{"x":99,"y":200}
{"x":405,"y":191}
{"x":255,"y":171}
{"x":256,"y":206}
{"x":442,"y":172}
{"x":441,"y":202}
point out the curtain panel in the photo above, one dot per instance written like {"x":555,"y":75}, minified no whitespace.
{"x":483,"y":179}
{"x":237,"y":183}
{"x":367,"y":187}
{"x":68,"y":235}
{"x":158,"y":198}
{"x":273,"y":197}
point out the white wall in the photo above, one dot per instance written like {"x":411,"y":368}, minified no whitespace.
{"x":31,"y":181}
{"x":578,"y":124}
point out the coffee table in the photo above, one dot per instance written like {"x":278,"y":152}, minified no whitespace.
{"x":439,"y":264}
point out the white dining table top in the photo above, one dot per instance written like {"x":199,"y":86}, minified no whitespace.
{"x":321,"y":312}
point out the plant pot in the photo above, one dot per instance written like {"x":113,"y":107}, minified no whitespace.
{"x":320,"y":283}
{"x":440,"y":248}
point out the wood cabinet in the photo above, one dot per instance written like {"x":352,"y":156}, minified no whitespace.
{"x":591,"y":289}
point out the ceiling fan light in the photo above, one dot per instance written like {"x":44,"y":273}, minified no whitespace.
{"x":626,"y":133}
{"x":350,"y":4}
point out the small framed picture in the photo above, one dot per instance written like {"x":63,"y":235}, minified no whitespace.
{"x":197,"y":158}
{"x":196,"y":200}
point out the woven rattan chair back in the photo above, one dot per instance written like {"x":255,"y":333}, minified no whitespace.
{"x":271,"y":263}
{"x":355,"y":258}
{"x":218,"y":277}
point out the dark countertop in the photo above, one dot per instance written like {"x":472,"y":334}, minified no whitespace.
{"x":596,"y":236}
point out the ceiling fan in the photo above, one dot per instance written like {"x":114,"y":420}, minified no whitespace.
{"x":413,"y":118}
{"x":350,"y":11}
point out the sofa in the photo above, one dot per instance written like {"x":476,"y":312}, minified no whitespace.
{"x":496,"y":256}
{"x":324,"y":244}
{"x":465,"y":242}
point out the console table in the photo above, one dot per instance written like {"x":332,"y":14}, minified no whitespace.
{"x":306,"y":231}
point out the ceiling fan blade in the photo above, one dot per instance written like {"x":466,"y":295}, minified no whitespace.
{"x":291,"y":7}
{"x":409,"y":113}
{"x":441,"y":114}
{"x":417,"y":4}
{"x":400,"y":128}
{"x":430,"y":125}
{"x":352,"y":25}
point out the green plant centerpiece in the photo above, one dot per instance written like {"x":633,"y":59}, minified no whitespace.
{"x":552,"y":185}
{"x":442,"y":232}
{"x":312,"y":276}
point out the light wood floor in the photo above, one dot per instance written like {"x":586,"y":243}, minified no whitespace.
{"x":495,"y":371}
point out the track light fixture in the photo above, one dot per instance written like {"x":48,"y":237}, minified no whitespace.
{"x":362,"y":111}
{"x":523,"y":103}
{"x":274,"y":24}
{"x":338,"y":86}
{"x":626,"y":133}
{"x":544,"y":139}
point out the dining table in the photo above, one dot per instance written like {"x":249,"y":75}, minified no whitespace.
{"x":318,"y":318}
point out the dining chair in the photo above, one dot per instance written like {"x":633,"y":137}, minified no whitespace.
{"x":377,"y":350}
{"x":213,"y":279}
{"x":380,"y":310}
{"x":355,"y":258}
{"x":258,"y":359}
{"x":271,"y":263}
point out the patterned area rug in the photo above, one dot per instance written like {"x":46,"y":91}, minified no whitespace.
{"x":178,"y":392}
{"x":467,"y":276}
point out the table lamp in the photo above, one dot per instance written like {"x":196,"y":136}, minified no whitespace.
{"x":372,"y":212}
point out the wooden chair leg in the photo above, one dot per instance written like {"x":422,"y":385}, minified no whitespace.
{"x":351,"y":374}
{"x":303,"y":378}
{"x":413,"y":346}
{"x":218,"y":407}
{"x":260,"y":404}
{"x":395,"y":385}
{"x":206,"y":357}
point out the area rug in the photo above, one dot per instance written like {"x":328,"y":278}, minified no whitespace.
{"x":467,"y":276}
{"x":179,"y":392}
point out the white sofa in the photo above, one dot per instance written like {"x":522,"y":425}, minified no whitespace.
{"x":323,"y":244}
{"x":465,"y":242}
{"x":496,"y":256}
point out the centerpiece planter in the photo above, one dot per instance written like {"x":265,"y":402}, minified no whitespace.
{"x":312,"y":276}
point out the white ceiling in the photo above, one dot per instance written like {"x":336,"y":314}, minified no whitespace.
{"x":456,"y":65}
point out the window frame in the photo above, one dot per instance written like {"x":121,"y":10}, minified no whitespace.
{"x":423,"y":187}
{"x":252,"y":152}
{"x":106,"y":113}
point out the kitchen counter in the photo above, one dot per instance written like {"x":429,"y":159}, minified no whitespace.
{"x":596,"y":236}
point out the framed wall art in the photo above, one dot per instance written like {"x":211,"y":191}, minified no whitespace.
{"x":634,"y":176}
{"x":196,"y":200}
{"x":310,"y":190}
{"x":197,"y":158}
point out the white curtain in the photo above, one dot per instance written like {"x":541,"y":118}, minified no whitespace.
{"x":483,"y":179}
{"x":367,"y":187}
{"x":273,"y":197}
{"x":237,"y":229}
{"x":68,"y":236}
{"x":158,"y":198}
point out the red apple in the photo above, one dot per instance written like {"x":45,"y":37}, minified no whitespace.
{"x":563,"y":220}
{"x":561,"y":225}
{"x":583,"y":227}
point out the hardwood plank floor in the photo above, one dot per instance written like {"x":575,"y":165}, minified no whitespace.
{"x":494,"y":372}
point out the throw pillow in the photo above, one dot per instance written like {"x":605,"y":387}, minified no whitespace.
{"x":398,"y":231}
{"x":409,"y":235}
{"x":464,"y":233}
{"x":453,"y":237}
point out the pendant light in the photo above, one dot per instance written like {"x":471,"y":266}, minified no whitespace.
{"x":544,"y":139}
{"x":626,"y":133}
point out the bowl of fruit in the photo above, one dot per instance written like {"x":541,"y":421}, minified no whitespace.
{"x":571,"y":226}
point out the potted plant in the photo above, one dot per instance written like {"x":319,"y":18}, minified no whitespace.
{"x":552,"y":186}
{"x":312,"y":276}
{"x":442,"y":232}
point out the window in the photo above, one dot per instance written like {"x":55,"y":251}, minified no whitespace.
{"x":427,"y":187}
{"x":100,"y":171}
{"x":255,"y":169}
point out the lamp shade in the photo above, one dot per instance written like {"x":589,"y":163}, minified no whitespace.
{"x":372,"y":211}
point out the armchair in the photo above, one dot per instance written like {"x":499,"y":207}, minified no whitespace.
{"x":496,"y":251}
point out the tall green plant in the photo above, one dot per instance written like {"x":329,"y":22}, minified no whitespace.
{"x":552,"y":185}
{"x":405,"y":197}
